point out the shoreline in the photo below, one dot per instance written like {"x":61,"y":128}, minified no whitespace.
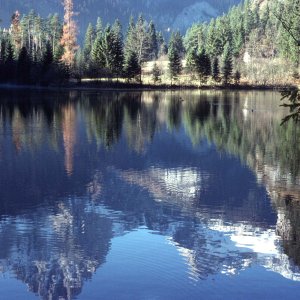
{"x":100,"y":86}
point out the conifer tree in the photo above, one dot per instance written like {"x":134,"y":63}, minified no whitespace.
{"x":88,"y":43}
{"x":203,"y":66}
{"x":132,"y":67}
{"x":99,"y":28}
{"x":176,"y":43}
{"x":9,"y":64}
{"x":175,"y":65}
{"x":216,"y":70}
{"x":192,"y":59}
{"x":156,"y":72}
{"x":162,"y":46}
{"x":227,"y":64}
{"x":153,"y":43}
{"x":48,"y":58}
{"x":117,"y":49}
{"x":23,"y":67}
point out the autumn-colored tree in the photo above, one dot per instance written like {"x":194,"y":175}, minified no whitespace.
{"x":16,"y":30}
{"x":69,"y":37}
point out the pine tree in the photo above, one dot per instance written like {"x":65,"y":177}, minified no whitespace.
{"x":117,"y":49}
{"x":69,"y":37}
{"x":227,"y":64}
{"x":216,"y":70}
{"x":162,"y":46}
{"x":132,"y":67}
{"x":203,"y":66}
{"x":153,"y":43}
{"x":47,"y":56}
{"x":175,"y":65}
{"x":9,"y":64}
{"x":176,"y":43}
{"x":237,"y":77}
{"x":23,"y":67}
{"x":192,"y":60}
{"x":99,"y":28}
{"x":88,"y":43}
{"x":98,"y":57}
{"x":156,"y":72}
{"x":142,"y":42}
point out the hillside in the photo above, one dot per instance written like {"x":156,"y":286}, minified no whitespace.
{"x":173,"y":14}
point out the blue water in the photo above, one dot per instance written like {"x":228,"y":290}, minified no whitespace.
{"x":148,"y":195}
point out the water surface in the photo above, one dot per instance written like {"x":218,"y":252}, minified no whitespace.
{"x":153,"y":195}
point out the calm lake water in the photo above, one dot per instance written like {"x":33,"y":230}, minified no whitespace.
{"x":153,"y":195}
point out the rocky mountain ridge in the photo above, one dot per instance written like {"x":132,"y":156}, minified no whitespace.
{"x":167,"y":14}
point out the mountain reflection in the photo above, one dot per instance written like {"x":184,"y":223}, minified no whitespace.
{"x":214,"y":172}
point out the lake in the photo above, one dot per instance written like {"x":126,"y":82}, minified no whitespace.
{"x":148,"y":195}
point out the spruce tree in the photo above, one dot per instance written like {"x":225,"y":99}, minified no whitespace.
{"x":99,"y":28}
{"x":153,"y":43}
{"x":117,"y":49}
{"x":216,"y":70}
{"x":203,"y":66}
{"x":88,"y":43}
{"x":132,"y":69}
{"x":176,"y":43}
{"x":227,"y":64}
{"x":23,"y":67}
{"x":175,"y":65}
{"x":9,"y":64}
{"x":48,"y":58}
{"x":156,"y":73}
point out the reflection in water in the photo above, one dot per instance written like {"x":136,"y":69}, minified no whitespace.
{"x":69,"y":136}
{"x":78,"y":170}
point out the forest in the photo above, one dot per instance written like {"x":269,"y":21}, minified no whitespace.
{"x":256,"y":43}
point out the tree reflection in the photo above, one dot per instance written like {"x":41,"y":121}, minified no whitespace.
{"x":130,"y":168}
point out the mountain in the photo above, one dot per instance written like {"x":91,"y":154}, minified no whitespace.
{"x":167,"y":14}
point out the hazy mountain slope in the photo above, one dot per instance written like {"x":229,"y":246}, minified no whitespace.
{"x":166,"y":13}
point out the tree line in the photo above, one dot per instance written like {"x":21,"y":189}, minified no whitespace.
{"x":44,"y":51}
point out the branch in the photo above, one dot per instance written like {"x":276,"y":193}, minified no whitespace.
{"x":287,"y":27}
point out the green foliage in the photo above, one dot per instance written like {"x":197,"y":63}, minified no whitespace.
{"x":203,"y":66}
{"x":156,"y":72}
{"x":132,"y":68}
{"x":293,"y":96}
{"x":175,"y":65}
{"x":176,"y":43}
{"x":227,"y":65}
{"x":216,"y":70}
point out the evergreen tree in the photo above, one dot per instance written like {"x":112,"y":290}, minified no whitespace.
{"x":192,"y":60}
{"x":132,"y":68}
{"x":98,"y":57}
{"x":237,"y":77}
{"x":227,"y":64}
{"x":9,"y":64}
{"x":47,"y":57}
{"x":156,"y":73}
{"x":153,"y":43}
{"x":203,"y":66}
{"x":117,"y":49}
{"x":99,"y":28}
{"x":88,"y":43}
{"x":162,"y":46}
{"x":216,"y":70}
{"x":175,"y":65}
{"x":176,"y":43}
{"x":23,"y":67}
